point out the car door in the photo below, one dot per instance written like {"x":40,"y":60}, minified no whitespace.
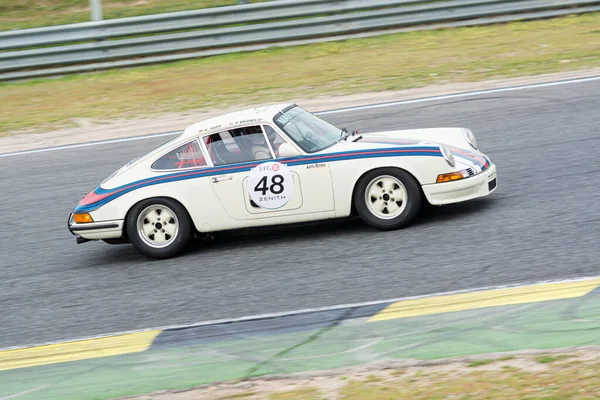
{"x":315,"y":175}
{"x":235,"y":153}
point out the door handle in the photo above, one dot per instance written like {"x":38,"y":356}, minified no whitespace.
{"x":216,"y":179}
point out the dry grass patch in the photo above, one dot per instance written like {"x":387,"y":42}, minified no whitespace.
{"x":565,"y":382}
{"x":301,"y":394}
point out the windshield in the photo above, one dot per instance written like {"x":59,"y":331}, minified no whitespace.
{"x":310,"y":132}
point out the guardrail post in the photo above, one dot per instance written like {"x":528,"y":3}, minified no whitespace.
{"x":96,"y":7}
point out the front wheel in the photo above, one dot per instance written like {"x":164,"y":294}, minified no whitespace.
{"x":159,"y":228}
{"x":388,"y":198}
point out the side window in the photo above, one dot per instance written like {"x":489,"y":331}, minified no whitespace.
{"x":188,"y":155}
{"x":238,"y":145}
{"x":274,"y":138}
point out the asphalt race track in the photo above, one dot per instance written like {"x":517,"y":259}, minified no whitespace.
{"x":541,"y":224}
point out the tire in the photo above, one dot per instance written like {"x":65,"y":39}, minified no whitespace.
{"x":149,"y":233}
{"x":395,"y":213}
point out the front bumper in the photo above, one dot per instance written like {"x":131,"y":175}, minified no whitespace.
{"x":475,"y":186}
{"x":96,"y":230}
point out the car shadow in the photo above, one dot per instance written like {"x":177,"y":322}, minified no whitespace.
{"x":320,"y":230}
{"x":323,"y":230}
{"x":435,"y":214}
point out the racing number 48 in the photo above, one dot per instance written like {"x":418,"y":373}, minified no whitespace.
{"x":276,"y":186}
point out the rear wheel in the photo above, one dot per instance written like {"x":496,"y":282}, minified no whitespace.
{"x":388,"y":198}
{"x":159,"y":228}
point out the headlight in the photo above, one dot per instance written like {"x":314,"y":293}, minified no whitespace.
{"x":447,"y":155}
{"x":470,"y":138}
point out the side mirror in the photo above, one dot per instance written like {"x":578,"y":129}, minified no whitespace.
{"x":287,"y":150}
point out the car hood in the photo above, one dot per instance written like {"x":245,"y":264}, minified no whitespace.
{"x":447,"y":136}
{"x":465,"y":156}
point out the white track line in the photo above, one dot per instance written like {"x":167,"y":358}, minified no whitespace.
{"x":326,"y":112}
{"x":310,"y":310}
{"x":463,"y":94}
{"x":14,"y":396}
{"x":89,"y":144}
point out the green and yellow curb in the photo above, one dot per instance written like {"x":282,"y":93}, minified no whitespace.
{"x":487,"y":298}
{"x":137,"y":342}
{"x":77,"y":350}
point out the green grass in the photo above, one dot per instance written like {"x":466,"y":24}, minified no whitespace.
{"x":549,"y":359}
{"x":22,"y":14}
{"x":480,"y":363}
{"x":390,"y":62}
{"x":241,"y":395}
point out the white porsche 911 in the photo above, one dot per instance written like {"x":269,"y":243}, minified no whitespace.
{"x":277,"y":165}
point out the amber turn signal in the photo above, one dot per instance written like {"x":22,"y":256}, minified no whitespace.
{"x":82,"y":218}
{"x":453,"y":176}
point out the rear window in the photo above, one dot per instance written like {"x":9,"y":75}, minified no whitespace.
{"x":188,"y":155}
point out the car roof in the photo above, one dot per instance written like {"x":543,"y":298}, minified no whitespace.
{"x":233,"y":119}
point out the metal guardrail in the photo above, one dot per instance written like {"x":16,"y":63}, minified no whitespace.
{"x":108,"y":44}
{"x":177,"y":21}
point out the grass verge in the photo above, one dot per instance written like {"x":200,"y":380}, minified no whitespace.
{"x":564,"y":381}
{"x":570,"y":376}
{"x":23,"y":14}
{"x":390,"y":62}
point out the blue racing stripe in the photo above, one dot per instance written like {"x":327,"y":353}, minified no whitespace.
{"x":107,"y":195}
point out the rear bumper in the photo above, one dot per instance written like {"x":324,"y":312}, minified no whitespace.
{"x":96,"y":230}
{"x":479,"y":185}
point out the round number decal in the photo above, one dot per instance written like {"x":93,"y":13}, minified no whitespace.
{"x":271,"y":185}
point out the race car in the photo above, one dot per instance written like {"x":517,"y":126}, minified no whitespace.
{"x":278,"y":164}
